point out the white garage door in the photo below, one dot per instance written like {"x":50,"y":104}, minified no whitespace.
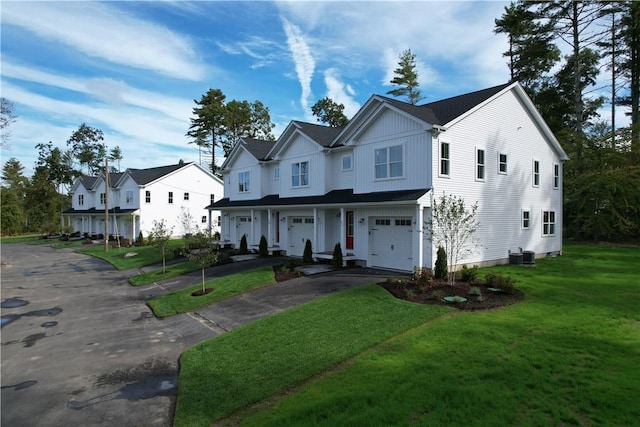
{"x":300,"y":230}
{"x":391,"y":243}
{"x":243,"y":226}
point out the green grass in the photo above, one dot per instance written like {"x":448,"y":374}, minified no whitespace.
{"x":173,"y":270}
{"x":26,"y":238}
{"x":567,"y":355}
{"x":224,"y":287}
{"x":269,"y":356}
{"x":147,"y":255}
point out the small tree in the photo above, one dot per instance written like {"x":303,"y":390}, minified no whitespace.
{"x":161,"y":236}
{"x":453,"y":226}
{"x":140,"y":238}
{"x":204,"y":253}
{"x":337,"y":256}
{"x":243,"y":245}
{"x":441,"y":264}
{"x":263,"y":248}
{"x":307,"y":255}
{"x":406,"y":78}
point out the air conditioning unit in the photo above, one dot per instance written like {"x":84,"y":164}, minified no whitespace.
{"x":515,"y":258}
{"x":528,"y":257}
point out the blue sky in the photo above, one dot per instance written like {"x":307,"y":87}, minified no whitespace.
{"x":133,"y":69}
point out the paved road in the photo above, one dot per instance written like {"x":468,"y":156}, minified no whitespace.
{"x":81,"y":348}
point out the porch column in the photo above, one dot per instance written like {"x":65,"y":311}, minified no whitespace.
{"x":343,"y":232}
{"x":253,"y":227}
{"x":419,"y":220}
{"x":315,"y":229}
{"x":269,"y":226}
{"x":210,"y":223}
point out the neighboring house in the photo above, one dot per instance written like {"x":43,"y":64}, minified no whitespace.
{"x":138,"y":197}
{"x":370,"y":185}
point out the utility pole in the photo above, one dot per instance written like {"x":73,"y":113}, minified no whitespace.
{"x":106,"y":204}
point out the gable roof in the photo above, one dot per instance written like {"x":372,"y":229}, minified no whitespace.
{"x":323,"y":135}
{"x":145,"y":176}
{"x":258,"y":148}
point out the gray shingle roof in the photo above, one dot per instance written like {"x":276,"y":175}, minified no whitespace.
{"x":321,"y":134}
{"x":145,"y":176}
{"x":259,"y":148}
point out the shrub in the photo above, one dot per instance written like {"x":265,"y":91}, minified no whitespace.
{"x":216,"y":236}
{"x":504,"y":283}
{"x":437,"y":294}
{"x":263,"y":250}
{"x":307,"y":256}
{"x":336,"y":260}
{"x":469,"y":274}
{"x":475,"y":290}
{"x":441,"y":269}
{"x":243,"y":245}
{"x":140,"y":241}
{"x":422,"y":276}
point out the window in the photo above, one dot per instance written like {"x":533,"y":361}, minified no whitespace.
{"x":276,"y":173}
{"x":244,"y":182}
{"x":480,"y":165}
{"x":103,"y":198}
{"x":444,"y":159}
{"x":300,"y":174}
{"x":80,"y":199}
{"x":556,"y":176}
{"x":147,"y":196}
{"x":203,"y":219}
{"x":526,"y":216}
{"x":219,"y":221}
{"x":308,"y":220}
{"x":383,"y":222}
{"x":170,"y":198}
{"x":388,"y":162}
{"x":536,"y":173}
{"x":186,"y":197}
{"x":346,"y":162}
{"x":548,"y":223}
{"x":129,"y":197}
{"x":212,"y":198}
{"x":403,"y":222}
{"x":502,"y":163}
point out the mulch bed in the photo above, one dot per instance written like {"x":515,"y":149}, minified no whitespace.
{"x":414,"y":292}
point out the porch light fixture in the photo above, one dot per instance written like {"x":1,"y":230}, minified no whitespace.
{"x":361,"y":221}
{"x":283,"y":219}
{"x":233,"y":218}
{"x":226,"y":214}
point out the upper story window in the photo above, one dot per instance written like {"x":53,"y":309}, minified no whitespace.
{"x":548,"y":223}
{"x":212,"y":198}
{"x":300,"y":174}
{"x":147,"y":196}
{"x":186,"y":197}
{"x":347,"y":162}
{"x":536,"y":173}
{"x":276,"y":173}
{"x":103,"y":198}
{"x":170,"y":198}
{"x":526,"y":219}
{"x":388,"y":162}
{"x":80,"y":199}
{"x":556,"y":176}
{"x":480,"y":164}
{"x":444,"y":159}
{"x":244,"y":182}
{"x":502,"y":163}
{"x":128,"y":197}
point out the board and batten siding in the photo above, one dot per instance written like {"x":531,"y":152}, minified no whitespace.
{"x":244,"y":162}
{"x":502,"y":126}
{"x":392,"y":129}
{"x":301,"y":149}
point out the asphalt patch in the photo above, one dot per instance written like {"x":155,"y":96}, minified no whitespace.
{"x":13,"y":303}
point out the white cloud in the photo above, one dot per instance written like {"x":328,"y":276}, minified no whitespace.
{"x":341,"y":93}
{"x":102,"y":31}
{"x":303,"y":59}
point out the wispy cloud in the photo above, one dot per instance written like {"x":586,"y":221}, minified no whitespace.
{"x":303,"y":59}
{"x":263,"y":51}
{"x":102,"y":31}
{"x":340,"y":92}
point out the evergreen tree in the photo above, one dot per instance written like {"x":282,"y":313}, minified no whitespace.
{"x":87,"y":147}
{"x":208,"y":122}
{"x":406,"y":78}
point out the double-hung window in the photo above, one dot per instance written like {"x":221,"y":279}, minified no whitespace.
{"x":480,"y":165}
{"x":388,"y":162}
{"x":185,"y":197}
{"x":80,"y":199}
{"x":103,"y":198}
{"x":212,"y":198}
{"x":536,"y":173}
{"x":276,"y":173}
{"x":548,"y":223}
{"x":170,"y":197}
{"x":556,"y":176}
{"x":147,"y":196}
{"x":347,"y":162}
{"x":526,"y":218}
{"x":445,"y":166}
{"x":300,"y":174}
{"x":128,"y":197}
{"x":502,"y":163}
{"x":244,"y":182}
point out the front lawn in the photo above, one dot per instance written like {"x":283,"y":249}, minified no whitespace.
{"x":271,"y":355}
{"x":566,"y":355}
{"x":173,"y":270}
{"x":223,"y":287}
{"x":146,"y":255}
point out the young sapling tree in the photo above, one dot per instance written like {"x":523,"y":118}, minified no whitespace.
{"x":203,"y":252}
{"x":160,"y":239}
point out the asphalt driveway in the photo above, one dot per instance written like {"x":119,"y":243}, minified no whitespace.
{"x":80,"y":347}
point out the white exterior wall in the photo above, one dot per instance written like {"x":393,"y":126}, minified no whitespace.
{"x":245,"y":162}
{"x":501,"y":198}
{"x":337,"y":178}
{"x":303,"y":150}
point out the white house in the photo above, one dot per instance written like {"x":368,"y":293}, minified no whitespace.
{"x":370,"y":185}
{"x":138,"y":197}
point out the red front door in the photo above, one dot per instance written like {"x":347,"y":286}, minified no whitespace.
{"x":349,"y":229}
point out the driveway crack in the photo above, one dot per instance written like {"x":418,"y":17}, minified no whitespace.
{"x":207,"y":323}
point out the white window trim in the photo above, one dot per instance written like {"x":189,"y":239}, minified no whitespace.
{"x":388,"y":163}
{"x":299,"y":163}
{"x":276,"y":173}
{"x":556,"y":177}
{"x":246,"y":183}
{"x":534,"y":174}
{"x":440,"y":159}
{"x":342,"y":159}
{"x":522,"y":226}
{"x":147,"y":199}
{"x":506,"y":163}
{"x":170,"y":197}
{"x":80,"y":199}
{"x":549,"y":223}
{"x":484,"y":164}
